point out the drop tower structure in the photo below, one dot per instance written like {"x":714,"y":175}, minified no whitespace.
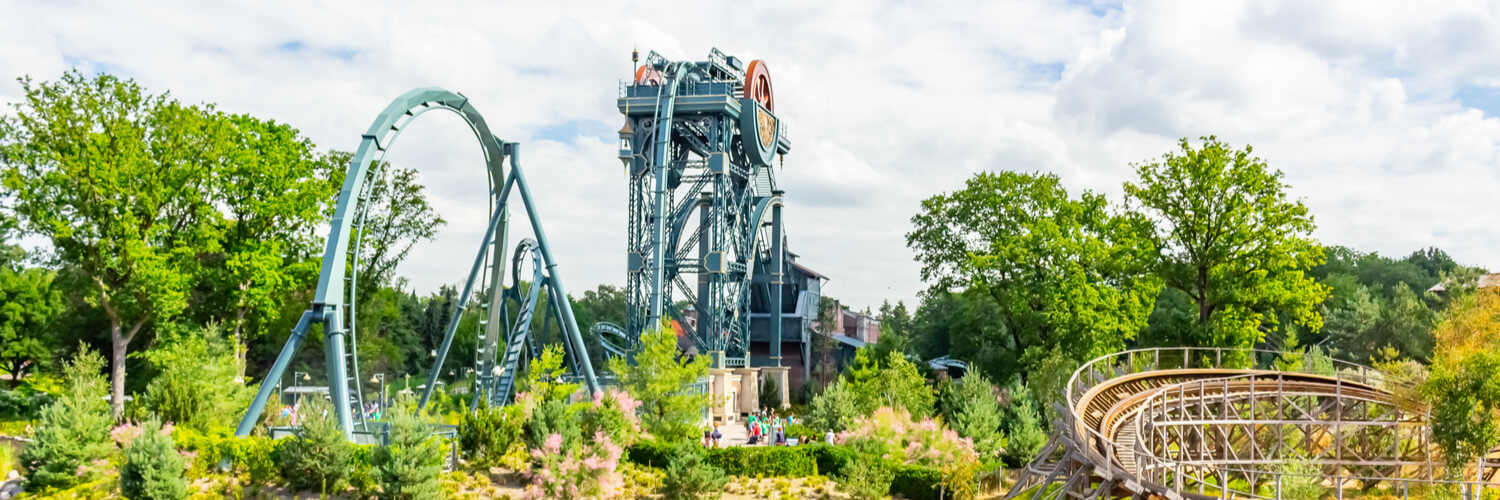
{"x":704,"y":226}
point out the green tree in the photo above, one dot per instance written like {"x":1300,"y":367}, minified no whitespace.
{"x":73,"y":432}
{"x":409,"y":464}
{"x":318,"y":458}
{"x":835,"y":409}
{"x":893,"y":382}
{"x":399,"y":216}
{"x":1228,"y":237}
{"x":1025,"y":434}
{"x":153,"y":470}
{"x":116,"y":180}
{"x":275,"y":190}
{"x":28,"y":305}
{"x":1463,"y":388}
{"x":1061,"y":270}
{"x":972,"y":409}
{"x":770,"y":394}
{"x":690,"y":476}
{"x":197,"y":383}
{"x":895,"y":319}
{"x":662,"y":380}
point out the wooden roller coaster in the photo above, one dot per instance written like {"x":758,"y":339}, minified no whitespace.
{"x":1202,"y":423}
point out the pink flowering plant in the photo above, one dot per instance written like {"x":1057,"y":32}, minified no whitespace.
{"x":613,"y":413}
{"x":588,"y":471}
{"x":925,"y":443}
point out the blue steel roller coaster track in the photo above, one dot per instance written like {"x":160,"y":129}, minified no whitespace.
{"x":334,"y":304}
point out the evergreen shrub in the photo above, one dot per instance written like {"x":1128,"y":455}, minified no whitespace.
{"x":318,"y":458}
{"x":153,"y":470}
{"x":409,"y":465}
{"x":72,"y":436}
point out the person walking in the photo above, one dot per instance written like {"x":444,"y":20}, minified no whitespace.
{"x":716,"y":435}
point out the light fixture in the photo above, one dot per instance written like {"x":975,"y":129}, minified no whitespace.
{"x":627,"y":134}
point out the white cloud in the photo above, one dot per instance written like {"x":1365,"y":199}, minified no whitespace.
{"x":889,"y":102}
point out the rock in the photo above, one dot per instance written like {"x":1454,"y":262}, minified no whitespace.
{"x":10,"y":488}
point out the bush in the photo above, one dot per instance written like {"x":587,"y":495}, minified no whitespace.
{"x":587,"y":471}
{"x":408,"y":466}
{"x":487,"y":434}
{"x":973,"y":411}
{"x":318,"y":458}
{"x":197,"y":384}
{"x":552,"y":418}
{"x":830,"y":459}
{"x":7,"y":460}
{"x":770,"y":394}
{"x":652,"y":453}
{"x":868,"y":476}
{"x":690,"y":476}
{"x":1024,"y":434}
{"x":834,"y":409}
{"x":613,"y":413}
{"x":781,"y":461}
{"x":800,"y":430}
{"x":919,"y":483}
{"x":72,"y":439}
{"x":657,"y":379}
{"x":153,"y":469}
{"x":22,"y":405}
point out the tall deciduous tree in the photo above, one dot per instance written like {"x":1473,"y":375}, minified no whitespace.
{"x":1228,"y":237}
{"x":117,"y":180}
{"x":1065,"y":274}
{"x":276,"y":189}
{"x":399,"y":217}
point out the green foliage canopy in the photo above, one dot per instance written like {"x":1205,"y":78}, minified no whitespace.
{"x":1060,"y":270}
{"x":1227,"y":236}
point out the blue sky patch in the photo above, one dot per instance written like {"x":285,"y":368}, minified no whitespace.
{"x":300,"y":47}
{"x":568,"y":132}
{"x":1486,"y":99}
{"x":87,"y":65}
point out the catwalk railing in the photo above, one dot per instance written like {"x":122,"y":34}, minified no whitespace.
{"x":1221,"y":423}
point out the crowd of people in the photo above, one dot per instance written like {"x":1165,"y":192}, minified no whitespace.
{"x":763,"y":428}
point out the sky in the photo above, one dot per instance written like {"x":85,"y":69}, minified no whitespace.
{"x":1383,"y":115}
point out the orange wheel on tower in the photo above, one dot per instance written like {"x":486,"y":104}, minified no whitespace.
{"x":758,"y":84}
{"x":647,"y":75}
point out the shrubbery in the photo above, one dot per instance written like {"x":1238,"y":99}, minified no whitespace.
{"x":488,"y":434}
{"x":152,"y":469}
{"x":408,"y":466}
{"x":834,"y":409}
{"x":690,"y":476}
{"x":783,"y":461}
{"x":973,"y":411}
{"x":198,"y":383}
{"x":318,"y":458}
{"x":72,"y":437}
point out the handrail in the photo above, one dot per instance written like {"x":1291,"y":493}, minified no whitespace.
{"x":1100,"y":449}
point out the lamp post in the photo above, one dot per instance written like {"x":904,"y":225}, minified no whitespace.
{"x":380,"y":377}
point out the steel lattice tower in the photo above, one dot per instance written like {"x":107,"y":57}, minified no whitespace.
{"x":704,"y":229}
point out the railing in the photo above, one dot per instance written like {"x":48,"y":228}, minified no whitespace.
{"x":1215,"y":477}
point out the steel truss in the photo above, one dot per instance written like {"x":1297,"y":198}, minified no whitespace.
{"x":334,"y":304}
{"x":698,"y":140}
{"x":1207,"y":423}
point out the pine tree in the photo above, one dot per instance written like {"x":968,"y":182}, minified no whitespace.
{"x":318,"y":458}
{"x":74,"y":431}
{"x":408,"y":466}
{"x":153,"y":470}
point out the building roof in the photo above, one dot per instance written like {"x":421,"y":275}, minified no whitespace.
{"x":808,"y":271}
{"x":850,"y":341}
{"x":1491,"y":280}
